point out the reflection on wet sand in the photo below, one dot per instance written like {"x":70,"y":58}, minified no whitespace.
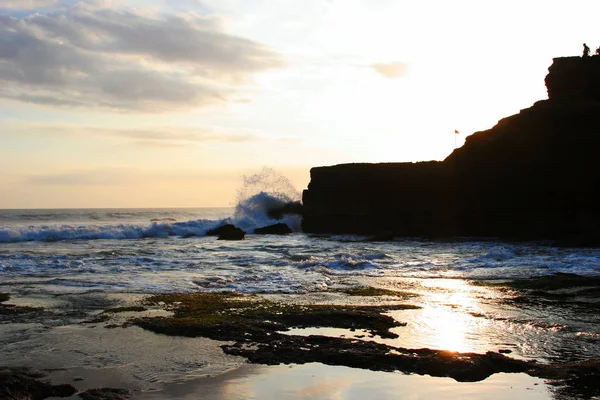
{"x":317,"y":381}
{"x":455,"y":315}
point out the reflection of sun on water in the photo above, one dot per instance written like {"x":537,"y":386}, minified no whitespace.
{"x":447,"y":319}
{"x":447,"y":328}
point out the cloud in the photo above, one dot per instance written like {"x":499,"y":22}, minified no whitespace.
{"x":124,"y":176}
{"x":391,"y":70}
{"x":178,"y":135}
{"x":79,"y":178}
{"x":146,"y":136}
{"x":92,"y":56}
{"x":25,"y":4}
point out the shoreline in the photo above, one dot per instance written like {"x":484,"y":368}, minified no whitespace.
{"x":96,"y":344}
{"x":314,"y":380}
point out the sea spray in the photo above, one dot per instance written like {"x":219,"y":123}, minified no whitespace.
{"x":260,"y":193}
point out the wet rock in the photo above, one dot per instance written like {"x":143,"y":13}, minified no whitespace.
{"x":255,"y":326}
{"x":232,"y":234}
{"x":227,"y":232}
{"x":559,"y":280}
{"x":231,"y":316}
{"x":573,"y":380}
{"x":560,"y":289}
{"x":125,"y":309}
{"x":291,"y":208}
{"x":9,"y":311}
{"x":463,"y":367}
{"x":373,"y":292}
{"x":276,"y":229}
{"x":23,"y":383}
{"x":105,"y":394}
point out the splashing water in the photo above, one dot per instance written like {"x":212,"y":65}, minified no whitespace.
{"x":262,"y":192}
{"x":270,"y":183}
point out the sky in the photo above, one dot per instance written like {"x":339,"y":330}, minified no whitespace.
{"x":169,"y":103}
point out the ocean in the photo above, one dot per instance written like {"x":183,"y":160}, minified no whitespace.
{"x":68,"y":252}
{"x":165,"y":250}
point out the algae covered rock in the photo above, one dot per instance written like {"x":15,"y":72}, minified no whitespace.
{"x":23,"y":383}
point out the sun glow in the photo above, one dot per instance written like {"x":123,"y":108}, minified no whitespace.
{"x":448,"y":328}
{"x":448,"y":320}
{"x":284,"y":84}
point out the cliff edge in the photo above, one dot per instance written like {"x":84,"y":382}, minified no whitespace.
{"x":533,"y":176}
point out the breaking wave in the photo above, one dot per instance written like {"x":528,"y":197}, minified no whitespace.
{"x":260,"y":193}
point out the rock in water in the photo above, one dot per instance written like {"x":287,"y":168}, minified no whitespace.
{"x":217,"y":231}
{"x":227,"y":232}
{"x":105,"y":394}
{"x":276,"y":229}
{"x":291,"y":208}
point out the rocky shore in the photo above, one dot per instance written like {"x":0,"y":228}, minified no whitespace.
{"x":533,"y":176}
{"x":263,"y":330}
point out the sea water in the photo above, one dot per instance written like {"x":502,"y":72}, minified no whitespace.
{"x":165,"y":250}
{"x":62,"y":254}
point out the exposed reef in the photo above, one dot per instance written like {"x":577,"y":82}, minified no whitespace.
{"x":258,"y":329}
{"x":533,"y":176}
{"x":23,"y":383}
{"x":560,"y":290}
{"x":9,"y":312}
{"x":244,"y":318}
{"x":27,"y":384}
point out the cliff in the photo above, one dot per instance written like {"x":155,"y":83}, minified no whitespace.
{"x":572,"y":78}
{"x":535,"y":175}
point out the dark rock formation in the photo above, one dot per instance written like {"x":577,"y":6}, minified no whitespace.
{"x":291,"y":208}
{"x":105,"y":394}
{"x":574,"y":78}
{"x":276,"y":229}
{"x":532,"y":176}
{"x":227,"y":232}
{"x":256,"y":326}
{"x":23,"y":383}
{"x":13,"y":313}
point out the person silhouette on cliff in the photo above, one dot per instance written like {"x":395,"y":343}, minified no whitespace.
{"x":586,"y":50}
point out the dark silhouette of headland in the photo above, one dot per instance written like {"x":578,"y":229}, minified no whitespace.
{"x":533,"y":176}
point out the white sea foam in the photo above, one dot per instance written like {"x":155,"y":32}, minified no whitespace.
{"x":91,"y":232}
{"x":135,"y":254}
{"x":259,"y":193}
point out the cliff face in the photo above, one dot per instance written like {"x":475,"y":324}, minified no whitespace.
{"x":535,"y":175}
{"x":574,"y":78}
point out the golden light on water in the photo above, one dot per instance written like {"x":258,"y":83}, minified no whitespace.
{"x":448,"y":329}
{"x":446,"y":321}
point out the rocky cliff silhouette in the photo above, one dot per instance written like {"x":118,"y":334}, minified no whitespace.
{"x":533,"y":176}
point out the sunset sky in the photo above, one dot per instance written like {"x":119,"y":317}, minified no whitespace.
{"x":169,"y":103}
